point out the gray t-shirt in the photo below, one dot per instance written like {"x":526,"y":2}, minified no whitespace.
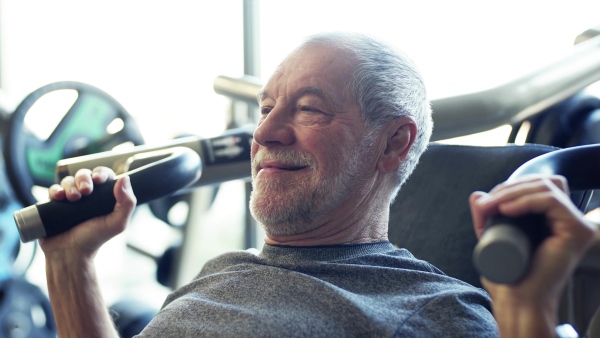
{"x":361,"y":290}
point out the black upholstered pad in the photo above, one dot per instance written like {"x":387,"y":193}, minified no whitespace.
{"x":431,"y":216}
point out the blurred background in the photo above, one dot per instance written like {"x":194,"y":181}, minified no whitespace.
{"x":159,"y":60}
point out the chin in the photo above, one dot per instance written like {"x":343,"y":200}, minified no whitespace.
{"x":283,"y":221}
{"x":278,"y":225}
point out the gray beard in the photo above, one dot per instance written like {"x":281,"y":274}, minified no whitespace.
{"x":288,"y":208}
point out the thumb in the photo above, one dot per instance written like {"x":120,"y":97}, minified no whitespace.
{"x":126,"y":202}
{"x":125,"y":197}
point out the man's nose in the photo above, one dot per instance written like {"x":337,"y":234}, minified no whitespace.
{"x":276,"y":129}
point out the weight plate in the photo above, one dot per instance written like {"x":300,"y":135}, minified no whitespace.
{"x":84,"y":129}
{"x":25,"y":311}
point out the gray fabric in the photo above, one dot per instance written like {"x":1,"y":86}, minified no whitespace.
{"x":364,"y":290}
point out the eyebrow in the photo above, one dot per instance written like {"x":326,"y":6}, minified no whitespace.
{"x":315,"y":91}
{"x":309,"y":90}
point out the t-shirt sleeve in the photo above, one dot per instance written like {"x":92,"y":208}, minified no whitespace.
{"x":451,"y":315}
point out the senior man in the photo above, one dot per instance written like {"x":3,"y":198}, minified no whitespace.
{"x":344,"y":119}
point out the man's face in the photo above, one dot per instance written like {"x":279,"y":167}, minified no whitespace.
{"x":311,"y":150}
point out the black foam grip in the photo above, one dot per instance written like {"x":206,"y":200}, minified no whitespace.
{"x":155,"y":180}
{"x":532,"y":225}
{"x":60,"y":216}
{"x":503,"y":256}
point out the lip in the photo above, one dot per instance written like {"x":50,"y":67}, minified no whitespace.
{"x":277,"y":167}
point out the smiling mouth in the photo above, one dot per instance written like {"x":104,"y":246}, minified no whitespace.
{"x":279,"y":161}
{"x":284,"y":168}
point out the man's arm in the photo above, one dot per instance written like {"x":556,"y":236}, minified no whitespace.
{"x":77,"y":303}
{"x":530,"y":307}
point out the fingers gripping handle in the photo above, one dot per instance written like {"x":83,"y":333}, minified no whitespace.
{"x":504,"y":251}
{"x":170,"y":170}
{"x":53,"y":217}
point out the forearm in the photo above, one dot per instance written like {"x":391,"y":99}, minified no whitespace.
{"x":76,"y":299}
{"x":516,"y":321}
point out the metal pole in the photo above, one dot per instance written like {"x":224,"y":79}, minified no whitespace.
{"x":251,"y":38}
{"x":1,"y":39}
{"x":251,"y":67}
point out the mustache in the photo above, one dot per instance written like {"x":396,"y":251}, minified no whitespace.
{"x":287,"y":157}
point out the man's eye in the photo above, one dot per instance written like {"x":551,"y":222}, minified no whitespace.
{"x":265,"y":110}
{"x":309,"y":109}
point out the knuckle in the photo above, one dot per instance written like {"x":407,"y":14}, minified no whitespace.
{"x":67,"y":180}
{"x":83,"y":171}
{"x":562,"y":182}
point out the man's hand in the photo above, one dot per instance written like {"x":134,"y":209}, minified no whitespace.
{"x":79,"y":310}
{"x":86,"y":238}
{"x":535,"y":298}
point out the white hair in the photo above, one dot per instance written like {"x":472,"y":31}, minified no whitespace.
{"x":386,"y":85}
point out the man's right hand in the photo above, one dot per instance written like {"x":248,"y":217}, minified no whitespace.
{"x":86,"y":238}
{"x":529,"y":308}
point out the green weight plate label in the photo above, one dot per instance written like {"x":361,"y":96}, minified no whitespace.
{"x":88,"y":118}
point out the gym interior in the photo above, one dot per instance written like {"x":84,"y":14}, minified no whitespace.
{"x":81,"y":78}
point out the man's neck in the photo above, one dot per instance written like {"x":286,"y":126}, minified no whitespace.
{"x":343,"y":230}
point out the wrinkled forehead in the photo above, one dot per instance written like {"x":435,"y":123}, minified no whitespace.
{"x":323,"y":57}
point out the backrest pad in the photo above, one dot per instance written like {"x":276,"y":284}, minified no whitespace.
{"x":431,"y":216}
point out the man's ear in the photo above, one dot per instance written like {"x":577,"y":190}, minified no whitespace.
{"x":400,"y":135}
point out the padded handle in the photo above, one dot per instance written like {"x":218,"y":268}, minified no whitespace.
{"x":164,"y":172}
{"x":503,"y":252}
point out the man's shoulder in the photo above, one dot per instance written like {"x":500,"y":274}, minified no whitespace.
{"x":229,"y":259}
